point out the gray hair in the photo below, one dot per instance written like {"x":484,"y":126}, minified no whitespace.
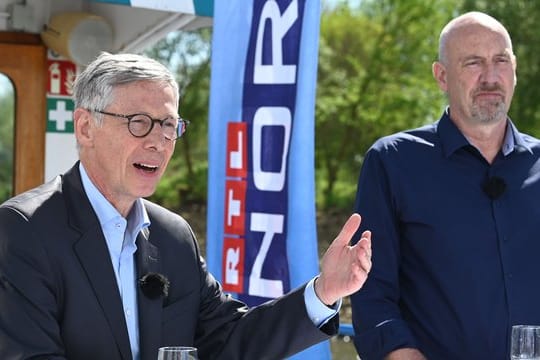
{"x":473,"y":17}
{"x":93,"y":88}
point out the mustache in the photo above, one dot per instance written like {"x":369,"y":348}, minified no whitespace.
{"x":488,"y":88}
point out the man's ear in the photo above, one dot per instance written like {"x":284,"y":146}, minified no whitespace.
{"x":84,"y":127}
{"x":439,"y":73}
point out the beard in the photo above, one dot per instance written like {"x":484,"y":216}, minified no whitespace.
{"x":490,"y":112}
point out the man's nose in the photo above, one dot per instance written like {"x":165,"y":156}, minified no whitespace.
{"x":490,"y":73}
{"x":156,"y":138}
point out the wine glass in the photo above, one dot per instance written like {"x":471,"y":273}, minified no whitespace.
{"x":177,"y":353}
{"x":525,"y":344}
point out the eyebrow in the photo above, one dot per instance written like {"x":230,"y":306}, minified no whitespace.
{"x":504,"y":54}
{"x":176,"y":116}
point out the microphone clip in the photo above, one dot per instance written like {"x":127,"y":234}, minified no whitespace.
{"x":494,"y":187}
{"x":154,"y":285}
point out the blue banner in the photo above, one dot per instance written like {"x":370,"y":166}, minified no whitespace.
{"x":261,"y":232}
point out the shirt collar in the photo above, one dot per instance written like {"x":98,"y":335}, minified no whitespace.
{"x":519,"y":140}
{"x":105,"y":211}
{"x":452,"y":139}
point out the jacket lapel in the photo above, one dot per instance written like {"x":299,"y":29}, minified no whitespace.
{"x":91,"y":249}
{"x":149,"y":309}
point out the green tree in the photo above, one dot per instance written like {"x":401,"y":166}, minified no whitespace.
{"x":374,"y":79}
{"x":7,"y":115}
{"x":187,"y":54}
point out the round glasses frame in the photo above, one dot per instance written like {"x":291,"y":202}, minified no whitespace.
{"x":140,"y":125}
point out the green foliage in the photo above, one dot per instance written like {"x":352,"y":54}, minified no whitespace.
{"x":174,"y":189}
{"x":187,"y":54}
{"x":7,"y":116}
{"x":374,"y":79}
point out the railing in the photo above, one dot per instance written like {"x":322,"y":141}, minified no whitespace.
{"x":346,"y":330}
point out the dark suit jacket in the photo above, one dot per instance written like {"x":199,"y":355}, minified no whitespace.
{"x":59,"y":298}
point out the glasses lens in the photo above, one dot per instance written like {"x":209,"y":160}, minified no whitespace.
{"x":182,"y":126}
{"x":140,"y":125}
{"x":169,"y":127}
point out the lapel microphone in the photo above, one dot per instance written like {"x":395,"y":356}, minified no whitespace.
{"x":154,"y":285}
{"x":494,"y":187}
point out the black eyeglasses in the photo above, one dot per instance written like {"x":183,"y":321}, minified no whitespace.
{"x":140,"y":125}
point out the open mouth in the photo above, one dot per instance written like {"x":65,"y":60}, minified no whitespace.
{"x":145,"y":167}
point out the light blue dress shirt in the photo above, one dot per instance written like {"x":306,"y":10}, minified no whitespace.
{"x":121,"y":234}
{"x":318,"y":312}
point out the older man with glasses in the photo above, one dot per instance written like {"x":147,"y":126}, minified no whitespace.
{"x":91,"y":270}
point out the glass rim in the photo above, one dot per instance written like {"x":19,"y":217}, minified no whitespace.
{"x":173,"y":348}
{"x":525,"y":326}
{"x":178,"y":132}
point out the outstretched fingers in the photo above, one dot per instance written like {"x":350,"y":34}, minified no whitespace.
{"x":364,"y":251}
{"x":348,"y":230}
{"x":344,"y":268}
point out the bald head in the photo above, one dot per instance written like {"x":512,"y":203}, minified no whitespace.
{"x":463,"y":23}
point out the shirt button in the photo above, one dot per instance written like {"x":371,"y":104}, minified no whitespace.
{"x":128,"y":312}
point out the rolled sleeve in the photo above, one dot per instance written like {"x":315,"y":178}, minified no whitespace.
{"x":390,"y":335}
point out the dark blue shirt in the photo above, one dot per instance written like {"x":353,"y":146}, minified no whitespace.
{"x":453,"y":269}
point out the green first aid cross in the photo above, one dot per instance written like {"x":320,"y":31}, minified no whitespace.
{"x":60,"y":115}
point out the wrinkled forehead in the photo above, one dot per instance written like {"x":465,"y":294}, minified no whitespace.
{"x":470,"y":37}
{"x":475,"y":25}
{"x":473,"y":17}
{"x":480,"y":36}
